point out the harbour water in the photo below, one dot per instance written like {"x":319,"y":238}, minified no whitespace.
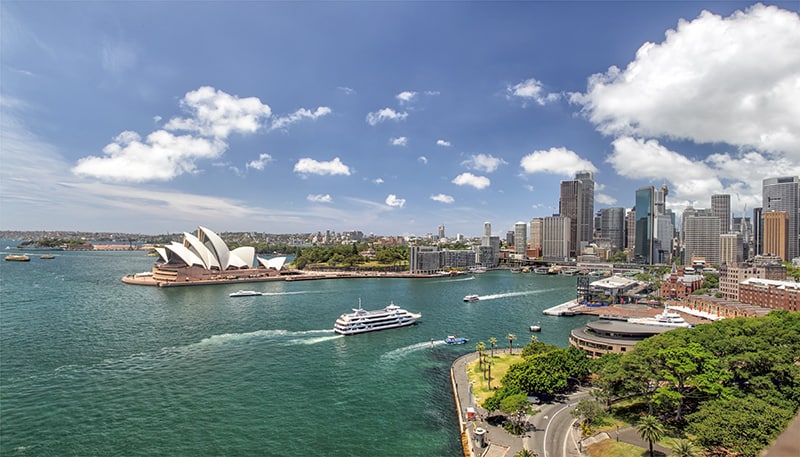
{"x":91,"y":366}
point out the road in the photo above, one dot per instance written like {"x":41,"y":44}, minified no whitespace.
{"x":552,"y":433}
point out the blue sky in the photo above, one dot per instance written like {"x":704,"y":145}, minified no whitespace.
{"x":384,"y":117}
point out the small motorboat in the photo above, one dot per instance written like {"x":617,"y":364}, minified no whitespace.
{"x":452,"y":339}
{"x":245,"y":293}
{"x":472,"y":297}
{"x":536,"y":327}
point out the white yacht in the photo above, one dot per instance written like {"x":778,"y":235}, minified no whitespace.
{"x":245,"y":293}
{"x":362,"y":321}
{"x":665,"y":318}
{"x":472,"y":297}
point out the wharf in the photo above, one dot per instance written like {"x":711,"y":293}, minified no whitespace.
{"x":564,"y":309}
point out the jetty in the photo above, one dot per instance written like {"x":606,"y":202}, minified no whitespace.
{"x":564,"y":309}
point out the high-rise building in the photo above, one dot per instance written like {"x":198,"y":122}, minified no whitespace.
{"x":612,"y":227}
{"x":731,"y":248}
{"x":510,"y":238}
{"x":489,"y":250}
{"x":441,"y":232}
{"x":783,"y":194}
{"x":721,"y":207}
{"x":577,"y":203}
{"x":758,"y":230}
{"x":643,"y":250}
{"x":630,"y":230}
{"x":555,"y":237}
{"x":701,"y":239}
{"x":776,"y":234}
{"x":535,"y":241}
{"x":487,"y":229}
{"x":520,"y":238}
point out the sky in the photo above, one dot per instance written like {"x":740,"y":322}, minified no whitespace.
{"x":390,"y":118}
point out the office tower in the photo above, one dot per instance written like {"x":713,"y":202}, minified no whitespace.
{"x":612,"y":227}
{"x":520,"y":238}
{"x":441,"y":232}
{"x":663,"y":237}
{"x":489,"y":250}
{"x":535,"y":241}
{"x":758,"y":230}
{"x":630,"y":230}
{"x":487,"y":229}
{"x":643,"y":250}
{"x":783,"y":194}
{"x":701,"y":239}
{"x":555,"y":237}
{"x":577,"y":203}
{"x":510,"y":238}
{"x":721,"y":207}
{"x":776,"y":234}
{"x":731,"y":248}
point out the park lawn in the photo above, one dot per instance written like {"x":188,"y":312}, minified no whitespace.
{"x":612,"y":448}
{"x":500,"y":365}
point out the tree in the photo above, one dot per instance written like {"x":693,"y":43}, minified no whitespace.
{"x":650,"y":429}
{"x":590,"y":411}
{"x":511,"y":337}
{"x":516,"y":407}
{"x":684,"y":448}
{"x":489,"y":367}
{"x":480,"y":347}
{"x":492,"y":342}
{"x":525,"y":453}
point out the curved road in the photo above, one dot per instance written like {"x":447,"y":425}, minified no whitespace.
{"x":552,"y":429}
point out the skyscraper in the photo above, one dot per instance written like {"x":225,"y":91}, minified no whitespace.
{"x":535,"y":241}
{"x":721,"y":207}
{"x":701,"y":239}
{"x":783,"y":194}
{"x":643,"y":250}
{"x":555,"y":237}
{"x":612,"y":227}
{"x":776,"y":231}
{"x":441,"y":232}
{"x":577,"y":203}
{"x":520,"y":238}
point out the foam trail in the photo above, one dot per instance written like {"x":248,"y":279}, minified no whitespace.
{"x":507,"y":294}
{"x":401,"y":352}
{"x":458,"y":280}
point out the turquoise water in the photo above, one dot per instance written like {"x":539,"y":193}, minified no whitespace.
{"x":91,"y":366}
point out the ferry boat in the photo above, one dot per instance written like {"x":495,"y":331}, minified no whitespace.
{"x":472,"y":297}
{"x":245,"y":293}
{"x":362,"y":321}
{"x":18,"y":258}
{"x":535,"y":327}
{"x":665,"y":318}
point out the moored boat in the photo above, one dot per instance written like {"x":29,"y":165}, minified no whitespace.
{"x":363,"y":321}
{"x":665,"y":318}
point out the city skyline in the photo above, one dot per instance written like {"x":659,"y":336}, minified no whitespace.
{"x":389,"y":118}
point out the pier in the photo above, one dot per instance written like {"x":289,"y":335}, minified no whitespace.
{"x":564,"y":309}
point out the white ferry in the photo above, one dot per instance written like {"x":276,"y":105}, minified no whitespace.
{"x":472,"y":297}
{"x":362,"y":321}
{"x":665,"y":318}
{"x":245,"y":293}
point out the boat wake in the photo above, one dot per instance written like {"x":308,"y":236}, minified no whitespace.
{"x":399,"y":353}
{"x":470,"y":278}
{"x":507,"y":294}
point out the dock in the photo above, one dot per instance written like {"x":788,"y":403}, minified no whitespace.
{"x":564,"y":309}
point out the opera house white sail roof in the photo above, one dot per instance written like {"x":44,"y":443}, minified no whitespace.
{"x":207,"y":250}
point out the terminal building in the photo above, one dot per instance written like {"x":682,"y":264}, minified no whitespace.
{"x":612,"y":336}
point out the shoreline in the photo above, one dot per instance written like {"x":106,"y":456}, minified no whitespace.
{"x":147,"y":280}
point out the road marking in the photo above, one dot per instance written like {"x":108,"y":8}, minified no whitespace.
{"x":544,"y":444}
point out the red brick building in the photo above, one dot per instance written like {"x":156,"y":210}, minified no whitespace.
{"x":677,"y":285}
{"x":770,"y":293}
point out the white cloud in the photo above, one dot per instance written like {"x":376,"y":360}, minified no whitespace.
{"x":259,"y":163}
{"x":160,"y":157}
{"x":311,"y":166}
{"x":346,"y":90}
{"x":483,"y":162}
{"x":560,"y":161}
{"x":156,"y":119}
{"x":215,"y":113}
{"x":531,"y":90}
{"x":406,"y":96}
{"x":399,"y":141}
{"x":422,"y":159}
{"x":733,"y":80}
{"x":384,"y":115}
{"x":392,"y":200}
{"x":319,"y":198}
{"x":443,"y":143}
{"x":302,"y":113}
{"x":605,"y":199}
{"x":378,"y":180}
{"x":468,"y":179}
{"x":443,"y":198}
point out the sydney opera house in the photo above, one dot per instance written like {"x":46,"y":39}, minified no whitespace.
{"x":206,"y":259}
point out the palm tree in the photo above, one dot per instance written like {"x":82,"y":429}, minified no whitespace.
{"x":511,"y":337}
{"x":480,"y":347}
{"x":489,"y":366}
{"x":492,"y":342}
{"x":650,"y":429}
{"x":684,"y":448}
{"x":525,"y":453}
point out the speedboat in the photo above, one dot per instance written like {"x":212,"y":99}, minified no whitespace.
{"x":472,"y":297}
{"x":363,"y":321}
{"x":536,"y":327}
{"x":245,"y":293}
{"x":452,"y":339}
